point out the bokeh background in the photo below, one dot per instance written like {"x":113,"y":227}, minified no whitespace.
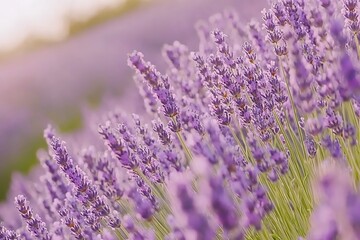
{"x":59,"y":58}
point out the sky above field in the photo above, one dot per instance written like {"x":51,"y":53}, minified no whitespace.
{"x":43,"y":19}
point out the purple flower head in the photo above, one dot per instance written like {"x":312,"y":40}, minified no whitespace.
{"x":148,"y":71}
{"x":143,"y":206}
{"x":336,"y":30}
{"x":351,"y":15}
{"x":350,"y":133}
{"x":268,"y":19}
{"x":315,"y":126}
{"x":350,"y":76}
{"x":219,"y":37}
{"x":175,"y":124}
{"x":6,"y":234}
{"x":333,"y":147}
{"x":157,"y":82}
{"x":325,"y":3}
{"x":3,"y":232}
{"x":334,"y":121}
{"x":223,"y":205}
{"x":86,"y":193}
{"x":350,"y":5}
{"x":118,"y":148}
{"x":74,"y":227}
{"x":175,"y":54}
{"x":311,"y":146}
{"x":353,"y":213}
{"x":34,"y":223}
{"x":337,"y":210}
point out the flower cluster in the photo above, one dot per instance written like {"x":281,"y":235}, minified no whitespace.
{"x":238,"y":130}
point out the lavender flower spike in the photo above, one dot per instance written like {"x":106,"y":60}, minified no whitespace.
{"x":34,"y":224}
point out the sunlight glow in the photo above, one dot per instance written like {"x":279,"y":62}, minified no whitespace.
{"x":43,"y":19}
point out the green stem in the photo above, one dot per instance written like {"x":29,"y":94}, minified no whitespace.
{"x":157,"y":191}
{"x":243,"y":149}
{"x":357,"y":44}
{"x":183,"y":144}
{"x":296,"y":116}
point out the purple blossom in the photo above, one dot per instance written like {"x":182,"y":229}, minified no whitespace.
{"x":158,"y":83}
{"x":34,"y":223}
{"x":117,"y":146}
{"x":195,"y":220}
{"x":337,"y":211}
{"x":223,"y":205}
{"x":311,"y":146}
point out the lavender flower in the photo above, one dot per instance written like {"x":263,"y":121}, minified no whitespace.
{"x":35,"y":225}
{"x":337,"y":210}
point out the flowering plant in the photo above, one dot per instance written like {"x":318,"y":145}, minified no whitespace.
{"x":239,"y":130}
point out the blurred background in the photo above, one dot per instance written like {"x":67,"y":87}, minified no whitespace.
{"x":59,"y":57}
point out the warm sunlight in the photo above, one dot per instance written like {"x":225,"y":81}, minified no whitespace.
{"x":43,"y":19}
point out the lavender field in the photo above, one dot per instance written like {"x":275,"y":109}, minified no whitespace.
{"x":56,"y":83}
{"x":243,"y":125}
